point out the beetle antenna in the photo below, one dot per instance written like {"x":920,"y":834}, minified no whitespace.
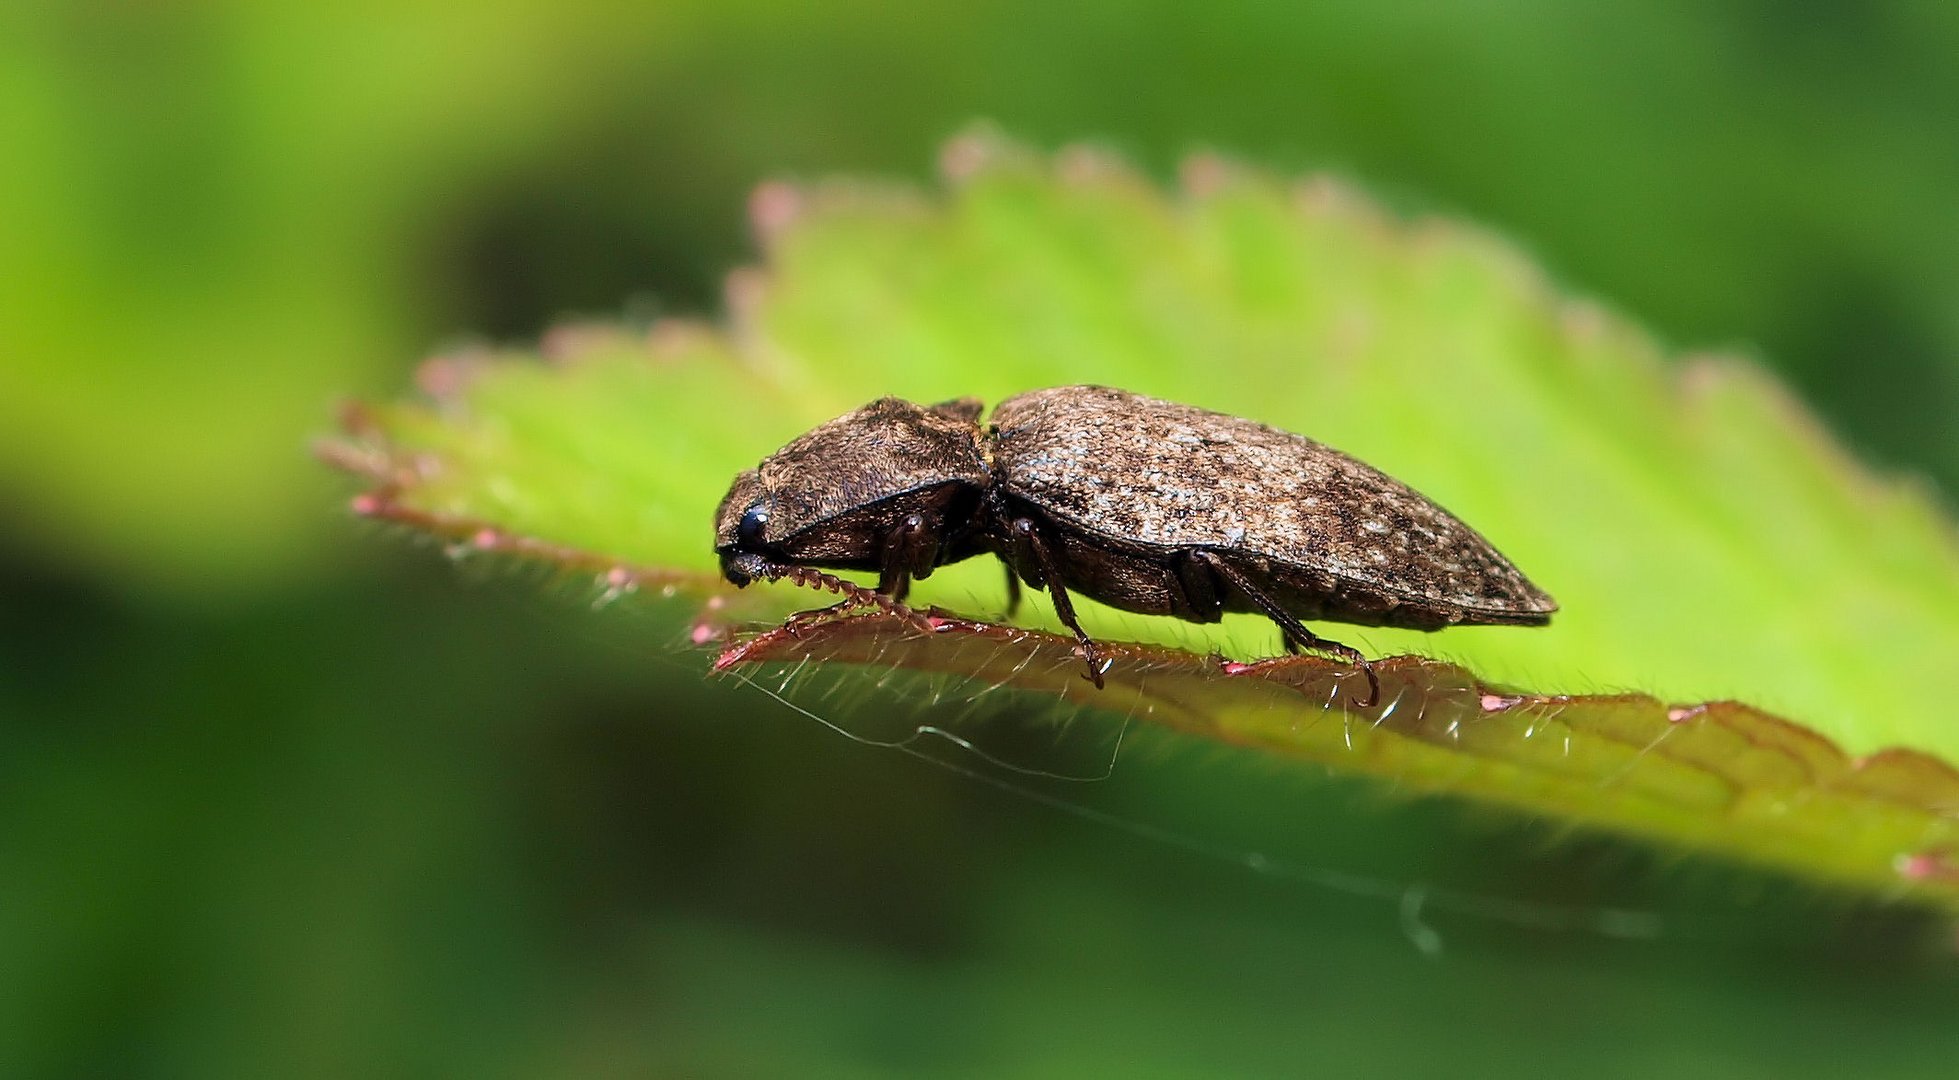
{"x":854,"y":594}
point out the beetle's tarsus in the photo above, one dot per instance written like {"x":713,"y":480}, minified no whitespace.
{"x":1093,"y":659}
{"x":1349,"y":654}
{"x":1296,"y":637}
{"x":1373,"y":686}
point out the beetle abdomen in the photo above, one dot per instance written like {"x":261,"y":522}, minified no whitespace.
{"x":1139,"y":471}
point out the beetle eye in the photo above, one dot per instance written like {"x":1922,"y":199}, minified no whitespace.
{"x":749,"y":532}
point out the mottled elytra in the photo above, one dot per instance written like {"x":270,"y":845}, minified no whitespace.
{"x":1145,"y":505}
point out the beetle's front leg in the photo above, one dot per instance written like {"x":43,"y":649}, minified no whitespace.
{"x":910,"y":550}
{"x":801,"y":620}
{"x":907,"y":546}
{"x":1026,"y":534}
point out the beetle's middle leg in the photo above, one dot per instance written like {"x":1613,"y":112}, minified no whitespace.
{"x":1026,"y":534}
{"x":1295,"y":634}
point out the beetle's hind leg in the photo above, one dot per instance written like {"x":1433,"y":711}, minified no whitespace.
{"x":1295,"y":634}
{"x":1027,"y":535}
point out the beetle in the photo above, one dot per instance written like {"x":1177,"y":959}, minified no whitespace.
{"x":1145,"y":505}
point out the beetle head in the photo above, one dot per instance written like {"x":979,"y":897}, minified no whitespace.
{"x":831,"y":496}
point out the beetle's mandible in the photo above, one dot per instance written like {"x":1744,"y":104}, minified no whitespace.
{"x":1144,"y":505}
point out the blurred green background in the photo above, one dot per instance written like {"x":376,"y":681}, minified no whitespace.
{"x":281,"y":795}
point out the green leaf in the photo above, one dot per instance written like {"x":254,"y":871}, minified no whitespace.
{"x":1716,"y":777}
{"x":1706,"y":539}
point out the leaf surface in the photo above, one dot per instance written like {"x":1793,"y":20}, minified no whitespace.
{"x":1707,"y":540}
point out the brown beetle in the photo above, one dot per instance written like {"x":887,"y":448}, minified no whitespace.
{"x":1144,"y":505}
